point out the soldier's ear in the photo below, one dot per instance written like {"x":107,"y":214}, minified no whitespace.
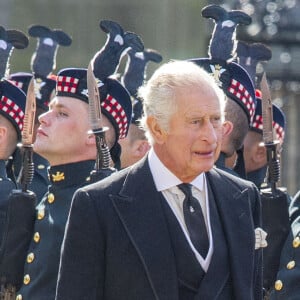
{"x":260,"y":155}
{"x":90,"y":140}
{"x":140,"y":148}
{"x":227,"y":128}
{"x":3,"y":132}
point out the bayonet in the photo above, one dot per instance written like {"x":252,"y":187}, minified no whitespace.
{"x":94,"y":102}
{"x":268,"y":138}
{"x":267,"y":111}
{"x":97,"y":128}
{"x":27,"y":170}
{"x":274,"y":200}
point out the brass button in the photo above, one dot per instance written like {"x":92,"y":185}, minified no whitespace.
{"x":30,"y":258}
{"x":19,"y":297}
{"x":41,"y":167}
{"x":278,"y":285}
{"x":26,"y":279}
{"x":291,"y":264}
{"x":296,"y":242}
{"x":41,"y":214}
{"x":36,"y":237}
{"x":50,"y":198}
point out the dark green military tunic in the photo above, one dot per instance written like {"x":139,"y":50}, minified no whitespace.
{"x":40,"y":181}
{"x":287,"y":284}
{"x":6,"y":186}
{"x":220,"y":164}
{"x":41,"y":267}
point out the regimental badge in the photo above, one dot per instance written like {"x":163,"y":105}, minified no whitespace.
{"x":216,"y":72}
{"x":85,"y":93}
{"x":59,"y":176}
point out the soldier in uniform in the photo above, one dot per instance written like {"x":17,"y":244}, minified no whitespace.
{"x":257,"y":161}
{"x":12,"y":109}
{"x":45,"y":90}
{"x":43,"y":63}
{"x":286,"y":285}
{"x":64,"y":139}
{"x":234,"y":81}
{"x":135,"y":145}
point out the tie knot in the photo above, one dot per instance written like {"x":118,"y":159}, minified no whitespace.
{"x":186,"y":188}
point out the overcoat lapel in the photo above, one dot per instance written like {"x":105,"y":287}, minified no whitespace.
{"x":139,"y":208}
{"x":235,"y":214}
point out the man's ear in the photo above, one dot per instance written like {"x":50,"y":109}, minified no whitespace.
{"x":227,"y":128}
{"x":90,"y":139}
{"x":157,"y":132}
{"x":3,"y":133}
{"x":260,"y":154}
{"x":141,"y":147}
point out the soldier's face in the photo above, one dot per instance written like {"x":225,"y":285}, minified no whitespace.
{"x":62,"y":134}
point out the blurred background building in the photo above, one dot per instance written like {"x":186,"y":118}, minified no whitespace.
{"x":176,"y":29}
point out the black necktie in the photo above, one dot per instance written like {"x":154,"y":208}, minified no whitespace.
{"x":194,"y":220}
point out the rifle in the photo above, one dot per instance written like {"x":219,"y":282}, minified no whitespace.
{"x":21,"y":211}
{"x":102,"y":166}
{"x":275,"y":200}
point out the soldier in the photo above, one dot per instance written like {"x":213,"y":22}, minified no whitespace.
{"x":286,"y":285}
{"x":64,"y":139}
{"x":43,"y":63}
{"x":260,"y":165}
{"x":12,"y":108}
{"x":136,"y":145}
{"x":45,"y":89}
{"x":233,"y":79}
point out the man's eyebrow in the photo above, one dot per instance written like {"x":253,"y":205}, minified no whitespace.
{"x":57,"y":105}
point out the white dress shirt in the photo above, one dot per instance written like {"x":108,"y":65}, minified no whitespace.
{"x":166,"y":182}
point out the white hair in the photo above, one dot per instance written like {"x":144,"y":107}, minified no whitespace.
{"x":158,"y":93}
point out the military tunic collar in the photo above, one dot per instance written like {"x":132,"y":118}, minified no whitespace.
{"x":257,"y":176}
{"x":70,"y":174}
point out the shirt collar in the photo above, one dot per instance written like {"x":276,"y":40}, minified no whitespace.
{"x":164,"y":179}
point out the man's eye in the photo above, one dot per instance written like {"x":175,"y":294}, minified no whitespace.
{"x":62,"y":114}
{"x":216,"y":121}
